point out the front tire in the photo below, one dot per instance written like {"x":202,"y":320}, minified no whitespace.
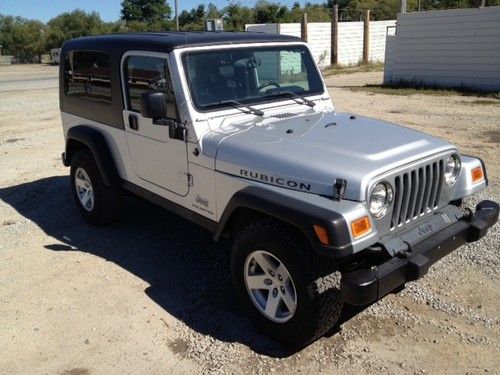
{"x":98,"y":203}
{"x":291,"y":293}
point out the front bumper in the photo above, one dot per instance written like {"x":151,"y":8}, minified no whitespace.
{"x":364,"y":286}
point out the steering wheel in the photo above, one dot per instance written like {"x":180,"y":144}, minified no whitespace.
{"x":276,"y":84}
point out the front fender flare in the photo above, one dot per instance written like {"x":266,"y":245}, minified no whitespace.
{"x":297,"y":212}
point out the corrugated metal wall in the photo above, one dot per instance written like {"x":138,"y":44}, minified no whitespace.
{"x":350,"y":39}
{"x":459,"y":47}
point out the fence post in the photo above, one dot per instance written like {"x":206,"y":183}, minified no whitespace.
{"x":334,"y":55}
{"x":303,"y":28}
{"x":366,"y":38}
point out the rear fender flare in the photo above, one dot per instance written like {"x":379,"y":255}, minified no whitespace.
{"x":94,"y":140}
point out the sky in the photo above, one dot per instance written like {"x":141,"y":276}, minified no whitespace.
{"x":109,"y":10}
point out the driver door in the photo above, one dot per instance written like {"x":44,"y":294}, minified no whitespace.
{"x":156,"y":157}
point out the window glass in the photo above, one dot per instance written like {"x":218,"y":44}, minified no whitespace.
{"x":147,"y":73}
{"x":87,"y":75}
{"x":250,"y":75}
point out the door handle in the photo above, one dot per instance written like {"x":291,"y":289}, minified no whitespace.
{"x":133,"y":122}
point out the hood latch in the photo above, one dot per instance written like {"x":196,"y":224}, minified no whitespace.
{"x":339,"y":188}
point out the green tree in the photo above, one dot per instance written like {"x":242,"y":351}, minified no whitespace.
{"x":195,"y":19}
{"x":71,"y":25}
{"x":146,"y":15}
{"x":22,"y":38}
{"x":237,"y":16}
{"x":341,"y":3}
{"x":268,"y":12}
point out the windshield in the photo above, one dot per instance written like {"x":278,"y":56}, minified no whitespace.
{"x":250,"y":75}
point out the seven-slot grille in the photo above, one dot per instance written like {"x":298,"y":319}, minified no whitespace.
{"x":417,"y":192}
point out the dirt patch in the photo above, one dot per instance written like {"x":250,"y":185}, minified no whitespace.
{"x":179,"y":346}
{"x":76,"y":371}
{"x":14,"y":140}
{"x":494,"y":136}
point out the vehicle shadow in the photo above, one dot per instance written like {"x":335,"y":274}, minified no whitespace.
{"x":188,"y":273}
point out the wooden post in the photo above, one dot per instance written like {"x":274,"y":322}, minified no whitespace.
{"x":303,"y":28}
{"x":402,"y":6}
{"x":366,"y":38}
{"x":334,"y":55}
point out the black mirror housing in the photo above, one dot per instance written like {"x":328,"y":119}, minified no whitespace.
{"x":153,"y":105}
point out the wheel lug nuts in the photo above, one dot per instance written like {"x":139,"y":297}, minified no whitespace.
{"x":268,"y":281}
{"x":282,"y":288}
{"x":280,"y":278}
{"x":275,"y":292}
{"x":271,"y":273}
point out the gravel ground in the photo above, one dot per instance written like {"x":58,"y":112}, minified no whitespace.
{"x":152,"y":294}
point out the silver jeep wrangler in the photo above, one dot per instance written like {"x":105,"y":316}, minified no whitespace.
{"x":237,"y":133}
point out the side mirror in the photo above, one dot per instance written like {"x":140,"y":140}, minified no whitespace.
{"x":153,"y":105}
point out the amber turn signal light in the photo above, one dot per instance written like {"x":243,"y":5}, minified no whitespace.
{"x":322,"y":234}
{"x":477,"y":174}
{"x":361,"y":226}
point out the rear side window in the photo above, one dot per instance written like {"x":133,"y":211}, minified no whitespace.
{"x":148,"y":73}
{"x":87,"y":75}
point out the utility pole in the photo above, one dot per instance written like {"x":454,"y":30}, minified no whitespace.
{"x":419,"y":5}
{"x":366,"y":37}
{"x":402,"y":6}
{"x":303,"y":27}
{"x":334,"y":58}
{"x":176,"y":16}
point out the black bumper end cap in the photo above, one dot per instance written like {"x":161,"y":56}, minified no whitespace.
{"x":477,"y":230}
{"x":359,"y":287}
{"x":485,"y":217}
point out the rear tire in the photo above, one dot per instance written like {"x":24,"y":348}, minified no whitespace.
{"x":98,"y":203}
{"x":315,"y":282}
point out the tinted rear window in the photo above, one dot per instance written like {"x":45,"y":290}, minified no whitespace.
{"x":87,"y":75}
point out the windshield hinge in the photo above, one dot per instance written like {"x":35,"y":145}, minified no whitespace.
{"x":189,"y":179}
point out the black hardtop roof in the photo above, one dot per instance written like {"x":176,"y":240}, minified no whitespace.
{"x":167,"y":41}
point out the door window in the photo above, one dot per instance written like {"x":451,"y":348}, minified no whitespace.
{"x":148,"y":73}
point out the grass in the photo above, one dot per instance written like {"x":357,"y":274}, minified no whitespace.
{"x":481,"y":102}
{"x":408,"y":90}
{"x":340,"y":69}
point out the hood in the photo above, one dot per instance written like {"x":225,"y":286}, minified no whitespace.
{"x":309,"y":152}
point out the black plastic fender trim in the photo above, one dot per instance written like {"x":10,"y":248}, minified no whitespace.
{"x":296,"y":212}
{"x":95,"y":141}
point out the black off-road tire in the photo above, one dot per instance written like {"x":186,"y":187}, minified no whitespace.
{"x":107,"y":199}
{"x":316,"y":281}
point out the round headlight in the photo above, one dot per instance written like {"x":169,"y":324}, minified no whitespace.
{"x":381,"y":199}
{"x":452,"y":169}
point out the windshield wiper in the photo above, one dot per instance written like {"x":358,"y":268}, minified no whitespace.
{"x":305,"y":101}
{"x":238,"y":105}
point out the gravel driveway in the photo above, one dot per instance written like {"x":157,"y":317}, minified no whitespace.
{"x":152,"y":294}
